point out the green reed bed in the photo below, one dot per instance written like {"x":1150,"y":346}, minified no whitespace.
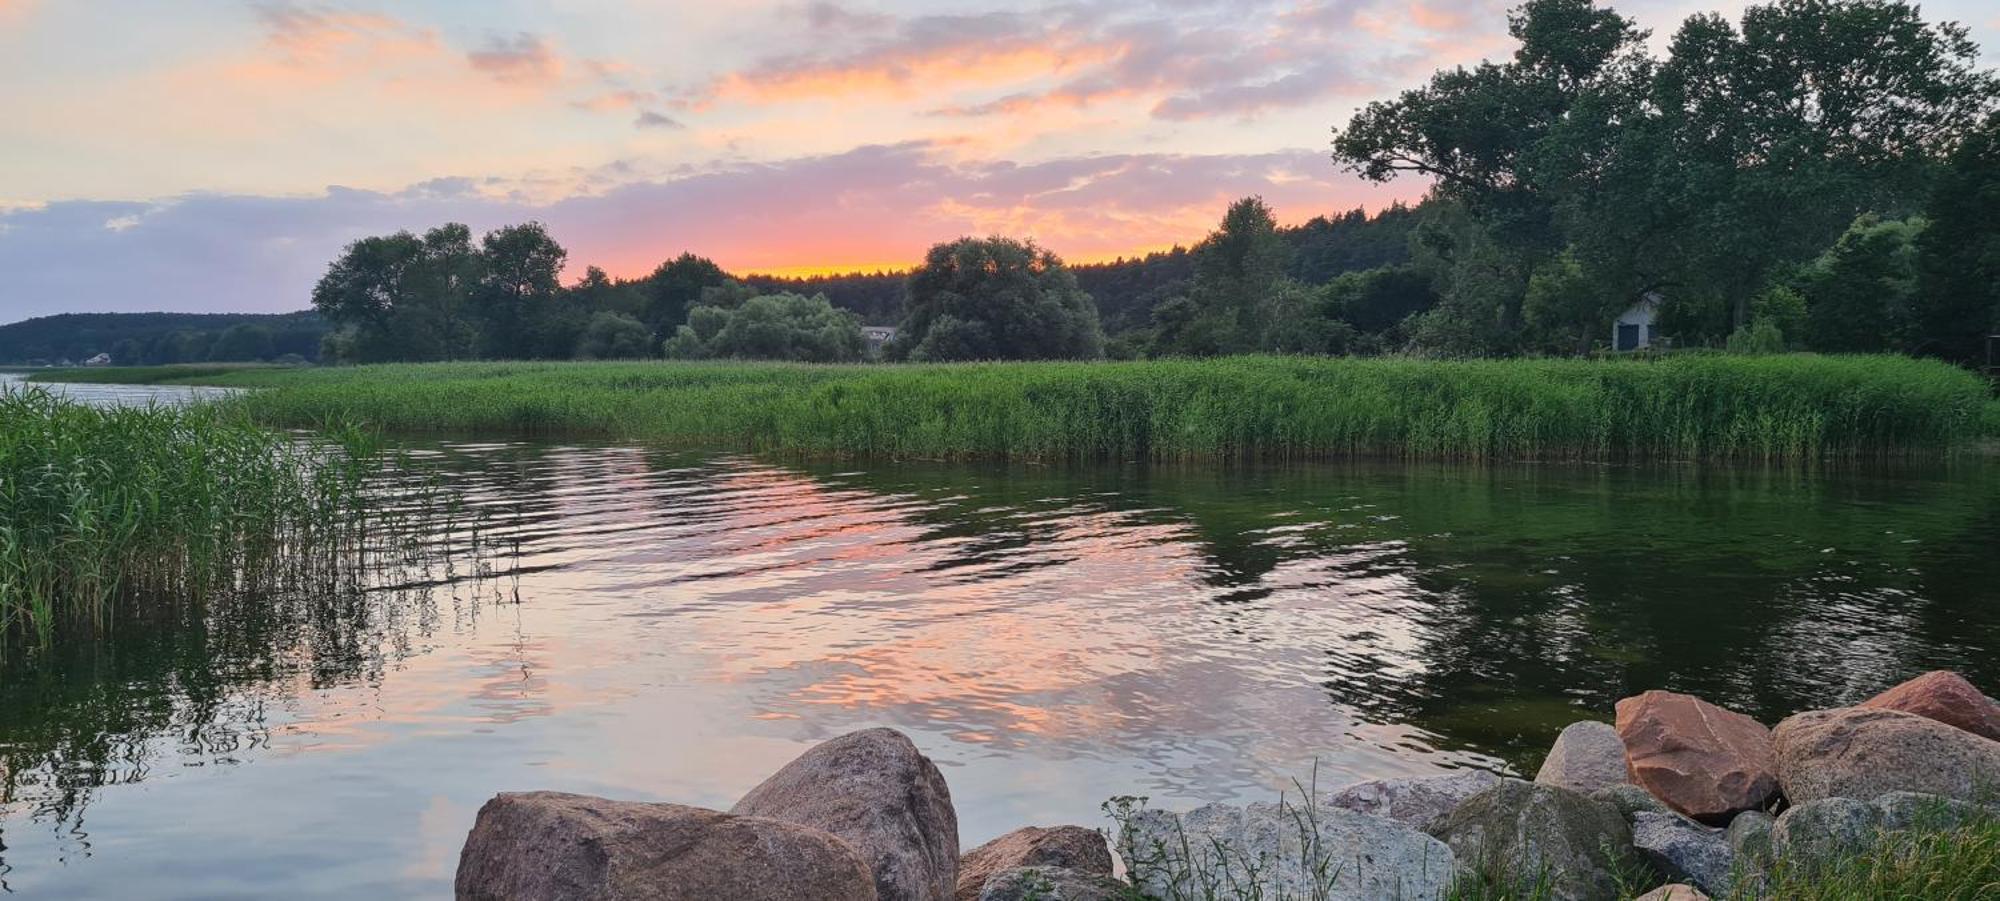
{"x":105,"y":508}
{"x":1793,"y":407}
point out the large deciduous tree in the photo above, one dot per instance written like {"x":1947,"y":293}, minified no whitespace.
{"x":676,"y":286}
{"x":996,"y":299}
{"x":520,"y":281}
{"x":404,"y":297}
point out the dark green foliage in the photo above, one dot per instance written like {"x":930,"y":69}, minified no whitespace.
{"x":404,"y":297}
{"x":1957,"y":301}
{"x":134,"y":339}
{"x":675,"y":287}
{"x":1858,"y":295}
{"x":614,"y":336}
{"x":770,"y":327}
{"x":519,"y":283}
{"x":1702,"y":176}
{"x":1239,"y":300}
{"x":996,"y":299}
{"x":1377,"y":301}
{"x":876,"y":297}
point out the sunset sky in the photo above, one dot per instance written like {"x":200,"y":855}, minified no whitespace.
{"x":212,"y":155}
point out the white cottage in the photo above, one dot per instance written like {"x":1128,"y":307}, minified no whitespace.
{"x":1637,"y":328}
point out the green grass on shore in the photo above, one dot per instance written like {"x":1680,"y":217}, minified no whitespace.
{"x":1794,"y":407}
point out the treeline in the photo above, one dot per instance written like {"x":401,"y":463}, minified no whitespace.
{"x":1127,"y":290}
{"x":1823,"y":175}
{"x":146,"y":339}
{"x":442,"y":295}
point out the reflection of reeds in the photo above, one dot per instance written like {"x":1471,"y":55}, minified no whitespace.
{"x":1787,"y":407}
{"x":106,"y":508}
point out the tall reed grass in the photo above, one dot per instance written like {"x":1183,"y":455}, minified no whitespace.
{"x":166,"y":506}
{"x":1794,"y":407}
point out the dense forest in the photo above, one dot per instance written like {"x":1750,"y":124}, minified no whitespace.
{"x":134,"y":339}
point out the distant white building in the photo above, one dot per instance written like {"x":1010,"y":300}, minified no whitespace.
{"x":1638,"y":327}
{"x":876,"y":336}
{"x":99,"y":360}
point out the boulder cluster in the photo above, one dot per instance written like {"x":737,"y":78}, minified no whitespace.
{"x":1698,"y":796}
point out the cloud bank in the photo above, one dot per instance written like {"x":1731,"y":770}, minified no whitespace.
{"x":875,"y":206}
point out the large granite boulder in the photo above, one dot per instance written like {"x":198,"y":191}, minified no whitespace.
{"x":1947,"y":697}
{"x":1825,"y":829}
{"x":1685,"y":851}
{"x":1866,"y":752}
{"x":1050,"y":884}
{"x":1702,"y":760}
{"x":1523,"y":828}
{"x":1285,"y":851}
{"x":1587,"y":756}
{"x":1071,"y":848}
{"x":550,"y":846}
{"x":1413,"y":801}
{"x":875,"y":790}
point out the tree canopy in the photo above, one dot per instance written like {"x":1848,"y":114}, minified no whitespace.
{"x":1705,"y":175}
{"x":770,"y":327}
{"x":996,"y":299}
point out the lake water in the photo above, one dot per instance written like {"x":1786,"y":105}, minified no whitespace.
{"x":674,"y":625}
{"x":117,"y":395}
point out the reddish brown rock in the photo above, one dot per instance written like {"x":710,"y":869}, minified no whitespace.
{"x":877,"y":792}
{"x":1702,"y":760}
{"x":1068,"y":847}
{"x":1944,"y":696}
{"x":545,"y":846}
{"x":1864,"y":753}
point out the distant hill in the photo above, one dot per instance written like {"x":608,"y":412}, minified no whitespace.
{"x":156,"y":338}
{"x":1126,"y":291}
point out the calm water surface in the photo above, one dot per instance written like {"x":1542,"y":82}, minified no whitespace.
{"x":118,"y":395}
{"x":675,"y":625}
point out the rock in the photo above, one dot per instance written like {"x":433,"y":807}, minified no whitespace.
{"x":1587,"y":756}
{"x":1629,"y":799}
{"x":545,"y":846}
{"x":1050,"y":884}
{"x":1947,"y":697}
{"x":1684,"y":850}
{"x":1826,"y":828}
{"x":1068,"y":847}
{"x":1675,"y":892}
{"x":1290,"y":849}
{"x":875,"y":790}
{"x":1910,"y":810}
{"x":1526,"y":828}
{"x":1413,"y":801}
{"x":1866,"y":752}
{"x":1702,"y":760}
{"x":1750,"y":837}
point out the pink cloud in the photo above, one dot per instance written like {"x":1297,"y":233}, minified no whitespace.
{"x":517,"y":59}
{"x":872,"y":207}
